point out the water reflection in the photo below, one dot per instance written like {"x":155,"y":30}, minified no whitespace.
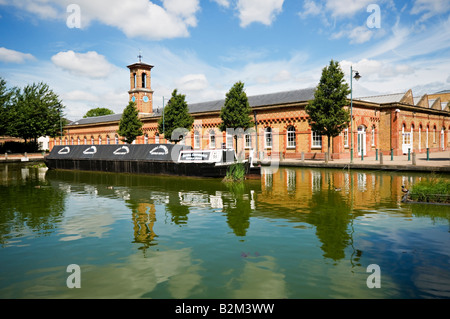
{"x":186,"y":237}
{"x":28,"y":204}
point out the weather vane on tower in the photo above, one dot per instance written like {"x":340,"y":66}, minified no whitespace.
{"x":140,"y":56}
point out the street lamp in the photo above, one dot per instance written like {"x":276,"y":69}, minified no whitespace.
{"x":357,"y":77}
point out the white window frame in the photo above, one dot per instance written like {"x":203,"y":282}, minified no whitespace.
{"x":290,"y":137}
{"x":248,"y":141}
{"x":373,"y":135}
{"x":345,"y":136}
{"x":212,"y":139}
{"x":268,"y":140}
{"x":229,"y":140}
{"x":196,"y":139}
{"x":316,"y":140}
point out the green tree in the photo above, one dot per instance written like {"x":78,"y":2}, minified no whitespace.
{"x":236,"y":111}
{"x":5,"y":107}
{"x":99,"y":111}
{"x":130,"y":126}
{"x":36,"y":111}
{"x":327,"y":115}
{"x":176,"y":121}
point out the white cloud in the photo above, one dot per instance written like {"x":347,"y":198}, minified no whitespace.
{"x":358,"y":35}
{"x":282,"y":76}
{"x":142,"y":18}
{"x":12,"y":56}
{"x":310,"y":7}
{"x":262,"y":11}
{"x":192,"y":82}
{"x":223,"y":3}
{"x":346,"y":7}
{"x":429,"y":8}
{"x":137,"y":18}
{"x":80,"y":95}
{"x":90,"y":64}
{"x":41,"y":8}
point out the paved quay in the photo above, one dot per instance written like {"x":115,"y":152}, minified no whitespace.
{"x":16,"y":158}
{"x":438,"y":162}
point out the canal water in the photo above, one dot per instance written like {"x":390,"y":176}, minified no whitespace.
{"x":296,"y":233}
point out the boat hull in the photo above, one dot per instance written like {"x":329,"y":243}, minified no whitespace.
{"x":136,"y":161}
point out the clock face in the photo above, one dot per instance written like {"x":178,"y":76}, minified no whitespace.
{"x":145,"y":99}
{"x":133,"y":99}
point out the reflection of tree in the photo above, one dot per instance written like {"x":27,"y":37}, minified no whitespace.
{"x":238,"y":209}
{"x":330,"y":213}
{"x":30,"y":205}
{"x":178,"y":211}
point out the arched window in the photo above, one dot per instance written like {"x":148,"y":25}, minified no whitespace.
{"x":144,"y":80}
{"x":434,"y":134}
{"x":92,"y":140}
{"x":99,"y":140}
{"x":291,"y":137}
{"x":268,"y":137}
{"x":78,"y":140}
{"x":85,"y":140}
{"x":134,"y":80}
{"x":420,"y":137}
{"x":116,"y":139}
{"x":157,"y":138}
{"x":108,"y":140}
{"x":373,"y":135}
{"x":212,"y":139}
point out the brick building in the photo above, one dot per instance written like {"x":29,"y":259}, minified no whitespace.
{"x":400,"y":122}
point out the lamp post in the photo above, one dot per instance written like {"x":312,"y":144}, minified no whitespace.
{"x":357,"y":77}
{"x":164,"y":129}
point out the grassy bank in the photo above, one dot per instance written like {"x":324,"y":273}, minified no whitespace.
{"x":436,"y":190}
{"x":236,"y":172}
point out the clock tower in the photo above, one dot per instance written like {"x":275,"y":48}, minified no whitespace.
{"x":140,"y":86}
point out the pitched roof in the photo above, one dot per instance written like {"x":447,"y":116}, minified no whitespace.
{"x":387,"y":98}
{"x":285,"y":97}
{"x":97,"y":119}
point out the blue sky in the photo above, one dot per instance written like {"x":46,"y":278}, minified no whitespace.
{"x":202,"y":47}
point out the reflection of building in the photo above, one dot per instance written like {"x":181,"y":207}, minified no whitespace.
{"x":295,"y":188}
{"x":400,"y":122}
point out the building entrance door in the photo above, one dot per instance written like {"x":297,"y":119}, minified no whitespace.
{"x":406,"y":142}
